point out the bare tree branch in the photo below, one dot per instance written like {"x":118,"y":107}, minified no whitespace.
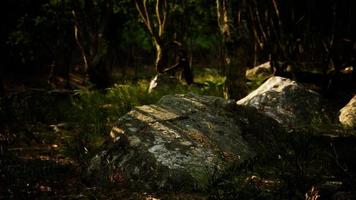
{"x":158,"y":16}
{"x":77,"y":40}
{"x":142,"y":11}
{"x":165,"y":14}
{"x":142,"y":8}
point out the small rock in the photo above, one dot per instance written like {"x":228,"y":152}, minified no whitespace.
{"x":347,"y":115}
{"x":260,"y":72}
{"x":288,"y":102}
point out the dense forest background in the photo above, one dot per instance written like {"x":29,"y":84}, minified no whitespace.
{"x":70,"y":68}
{"x":108,"y":40}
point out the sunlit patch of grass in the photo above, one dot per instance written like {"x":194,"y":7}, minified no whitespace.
{"x":208,"y":75}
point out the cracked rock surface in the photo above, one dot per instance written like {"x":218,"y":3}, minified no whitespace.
{"x":178,"y":143}
{"x":288,"y":102}
{"x":347,"y":115}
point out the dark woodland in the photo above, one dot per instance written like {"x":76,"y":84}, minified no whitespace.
{"x":71,"y":70}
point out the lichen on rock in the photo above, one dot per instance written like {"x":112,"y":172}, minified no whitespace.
{"x":175,"y":144}
{"x":290,"y":103}
{"x":347,"y":116}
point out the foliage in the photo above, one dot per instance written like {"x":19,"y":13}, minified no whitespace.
{"x":38,"y":35}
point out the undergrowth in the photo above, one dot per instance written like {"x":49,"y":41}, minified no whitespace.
{"x":95,"y":112}
{"x":66,"y":128}
{"x":300,"y":160}
{"x":80,"y":122}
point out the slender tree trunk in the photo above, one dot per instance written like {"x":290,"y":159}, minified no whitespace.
{"x":92,"y":42}
{"x":158,"y":17}
{"x":235,"y":52}
{"x":160,"y":58}
{"x":81,"y":47}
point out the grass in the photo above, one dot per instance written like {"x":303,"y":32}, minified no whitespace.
{"x":95,"y":112}
{"x":48,"y":138}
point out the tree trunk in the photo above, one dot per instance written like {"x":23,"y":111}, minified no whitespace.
{"x":91,"y":38}
{"x":99,"y":67}
{"x":235,"y":84}
{"x":235,"y":52}
{"x":158,"y":17}
{"x":160,"y":63}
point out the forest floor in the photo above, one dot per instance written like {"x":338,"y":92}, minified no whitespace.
{"x":39,"y":159}
{"x":35,"y":168}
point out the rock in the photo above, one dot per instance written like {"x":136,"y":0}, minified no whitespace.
{"x":347,"y":116}
{"x":260,"y":72}
{"x":290,"y":103}
{"x":162,"y":82}
{"x":179,"y":143}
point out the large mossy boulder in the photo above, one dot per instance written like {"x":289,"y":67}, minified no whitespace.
{"x":179,"y":143}
{"x":347,"y":116}
{"x":290,"y":103}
